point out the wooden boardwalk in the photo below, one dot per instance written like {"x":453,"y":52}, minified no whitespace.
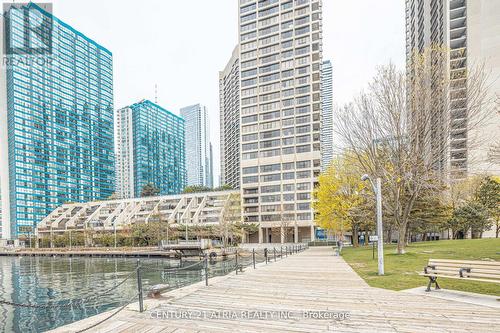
{"x":314,"y":280}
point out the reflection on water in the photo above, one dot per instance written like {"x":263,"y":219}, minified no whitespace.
{"x":61,"y":280}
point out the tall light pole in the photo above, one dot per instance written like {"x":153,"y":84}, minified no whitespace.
{"x":377,"y":188}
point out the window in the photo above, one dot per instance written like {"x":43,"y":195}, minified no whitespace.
{"x":271,"y":177}
{"x":250,"y":179}
{"x":304,"y":174}
{"x":270,"y":153}
{"x":270,"y":168}
{"x":302,"y":30}
{"x":249,"y":146}
{"x":249,"y":137}
{"x":303,"y":164}
{"x":249,"y":82}
{"x":288,"y":166}
{"x":248,"y":73}
{"x":270,"y":134}
{"x":249,"y":17}
{"x":250,"y":170}
{"x":249,"y":119}
{"x":270,"y":189}
{"x":303,"y":186}
{"x":303,"y":149}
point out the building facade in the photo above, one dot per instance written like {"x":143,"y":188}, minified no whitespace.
{"x":198,"y":146}
{"x":326,"y":114}
{"x":469,"y":32}
{"x":150,"y":149}
{"x":280,"y":100}
{"x":194,"y":209}
{"x":56,"y":118}
{"x":229,"y":104}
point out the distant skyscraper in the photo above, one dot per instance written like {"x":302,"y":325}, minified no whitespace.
{"x":56,"y":121}
{"x":280,"y":99}
{"x":469,"y":31}
{"x":326,"y":114}
{"x":150,"y":150}
{"x":198,"y":147}
{"x":229,"y":102}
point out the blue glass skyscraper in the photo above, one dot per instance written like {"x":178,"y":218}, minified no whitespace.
{"x":150,"y":150}
{"x":59,"y":120}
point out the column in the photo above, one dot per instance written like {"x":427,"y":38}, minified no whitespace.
{"x":296,"y":234}
{"x":313,"y":235}
{"x":260,"y":235}
{"x":282,"y":232}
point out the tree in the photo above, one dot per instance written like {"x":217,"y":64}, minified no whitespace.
{"x":472,"y":217}
{"x":229,"y":217}
{"x":225,"y":187}
{"x":488,"y":194}
{"x":338,"y":195}
{"x":398,"y":131}
{"x":149,"y":190}
{"x":196,"y":189}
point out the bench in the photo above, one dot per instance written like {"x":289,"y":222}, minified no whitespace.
{"x":467,"y":270}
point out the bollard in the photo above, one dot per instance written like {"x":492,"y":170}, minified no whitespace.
{"x":274,"y":254}
{"x":206,"y":270}
{"x":286,"y":251}
{"x":281,"y":252}
{"x":265,"y":254}
{"x":139,"y":286}
{"x":236,"y":262}
{"x":253,"y":258}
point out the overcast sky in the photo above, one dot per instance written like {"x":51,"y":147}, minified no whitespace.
{"x":182,"y":45}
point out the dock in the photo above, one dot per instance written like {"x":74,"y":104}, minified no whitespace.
{"x":320,"y":289}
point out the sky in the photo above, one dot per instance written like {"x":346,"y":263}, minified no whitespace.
{"x":181,"y":46}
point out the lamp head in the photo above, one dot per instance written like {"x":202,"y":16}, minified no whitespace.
{"x":365,"y":177}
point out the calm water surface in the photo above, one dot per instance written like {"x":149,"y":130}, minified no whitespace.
{"x":58,"y":281}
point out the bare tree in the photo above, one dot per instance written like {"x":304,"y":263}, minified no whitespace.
{"x":399,"y":129}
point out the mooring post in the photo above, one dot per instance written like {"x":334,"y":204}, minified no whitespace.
{"x":206,"y":269}
{"x":253,"y":258}
{"x":139,"y":286}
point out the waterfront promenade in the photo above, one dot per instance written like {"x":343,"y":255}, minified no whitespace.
{"x":315,"y":281}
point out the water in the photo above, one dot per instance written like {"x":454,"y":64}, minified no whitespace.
{"x":60,"y":280}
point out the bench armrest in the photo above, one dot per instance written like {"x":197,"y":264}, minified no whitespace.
{"x":462,"y":270}
{"x":429,"y":266}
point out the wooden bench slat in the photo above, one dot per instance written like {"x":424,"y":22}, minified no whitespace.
{"x":461,"y":278}
{"x":493,"y":268}
{"x":490,"y":276}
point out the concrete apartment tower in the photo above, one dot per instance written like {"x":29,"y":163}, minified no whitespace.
{"x":150,"y":150}
{"x":56,"y":119}
{"x":198,"y":146}
{"x":229,"y":106}
{"x":469,"y":31}
{"x":326,"y":114}
{"x":280,"y":100}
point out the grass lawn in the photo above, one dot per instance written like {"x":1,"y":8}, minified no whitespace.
{"x":401,"y":271}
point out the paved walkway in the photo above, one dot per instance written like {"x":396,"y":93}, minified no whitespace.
{"x":313,"y":280}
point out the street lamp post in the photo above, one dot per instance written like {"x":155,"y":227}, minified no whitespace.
{"x":377,"y":188}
